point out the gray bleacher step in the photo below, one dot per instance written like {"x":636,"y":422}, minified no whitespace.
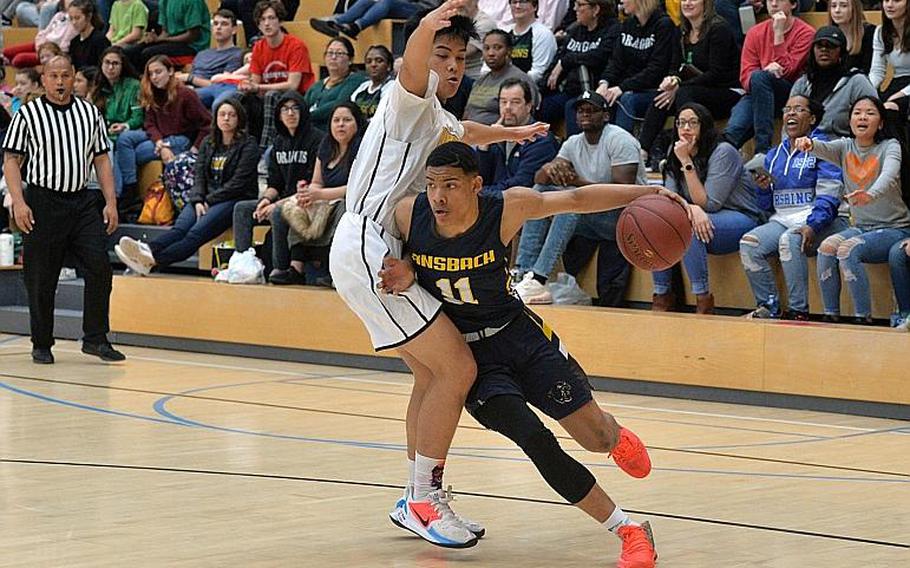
{"x":67,"y":323}
{"x":70,"y":295}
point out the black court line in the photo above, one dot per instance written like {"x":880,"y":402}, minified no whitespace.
{"x":496,"y":496}
{"x":460,"y":426}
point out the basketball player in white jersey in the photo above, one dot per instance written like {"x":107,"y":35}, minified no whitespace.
{"x":409,"y":123}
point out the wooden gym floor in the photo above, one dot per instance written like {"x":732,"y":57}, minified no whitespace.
{"x":180,"y":459}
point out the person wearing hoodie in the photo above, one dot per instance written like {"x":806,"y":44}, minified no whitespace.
{"x":871,"y":162}
{"x":709,"y":174}
{"x":774,"y":56}
{"x":589,"y":45}
{"x":641,"y":59}
{"x":291,"y":161}
{"x":803,"y":195}
{"x":225,"y":174}
{"x":830,"y":82}
{"x":705,"y":69}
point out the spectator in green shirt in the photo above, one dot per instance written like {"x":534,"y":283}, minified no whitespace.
{"x":185,"y":30}
{"x":337,"y":87}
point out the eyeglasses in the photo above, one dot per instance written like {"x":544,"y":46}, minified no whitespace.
{"x":799,"y":109}
{"x":112,"y":62}
{"x":690,"y":123}
{"x":290,"y":109}
{"x":335,"y":54}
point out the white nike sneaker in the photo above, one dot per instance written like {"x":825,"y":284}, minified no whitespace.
{"x":137,"y":250}
{"x":533,"y":292}
{"x":433,"y":520}
{"x":133,"y":265}
{"x":473,"y":526}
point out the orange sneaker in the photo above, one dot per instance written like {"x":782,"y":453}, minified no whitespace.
{"x":631,"y":455}
{"x":637,"y":546}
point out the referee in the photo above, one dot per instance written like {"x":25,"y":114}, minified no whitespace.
{"x":62,"y":136}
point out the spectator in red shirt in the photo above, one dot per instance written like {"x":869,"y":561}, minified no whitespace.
{"x":774,"y":56}
{"x":281,"y":62}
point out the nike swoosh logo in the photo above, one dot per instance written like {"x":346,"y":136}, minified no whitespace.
{"x":424,"y":522}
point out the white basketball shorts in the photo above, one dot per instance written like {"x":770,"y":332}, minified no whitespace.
{"x":358,"y":248}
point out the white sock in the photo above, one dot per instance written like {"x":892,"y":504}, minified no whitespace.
{"x":410,"y":472}
{"x":617,"y":519}
{"x":427,"y":475}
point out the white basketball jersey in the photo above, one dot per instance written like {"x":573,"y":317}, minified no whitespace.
{"x":391,"y":161}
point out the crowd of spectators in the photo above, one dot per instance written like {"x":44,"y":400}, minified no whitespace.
{"x":786,"y":141}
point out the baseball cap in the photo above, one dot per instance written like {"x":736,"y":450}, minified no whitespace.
{"x":593,"y":98}
{"x":831,"y":34}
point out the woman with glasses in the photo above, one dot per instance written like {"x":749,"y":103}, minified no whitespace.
{"x":709,"y":175}
{"x":322,"y":97}
{"x":803,"y":194}
{"x":705,"y":69}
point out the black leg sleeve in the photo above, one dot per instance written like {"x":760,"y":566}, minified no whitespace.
{"x":510,"y":416}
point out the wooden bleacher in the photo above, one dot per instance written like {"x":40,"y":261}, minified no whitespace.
{"x":817,"y":360}
{"x":731,"y":289}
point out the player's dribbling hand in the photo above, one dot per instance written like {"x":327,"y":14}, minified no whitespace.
{"x":439,"y":18}
{"x":25,"y":219}
{"x":111,"y":218}
{"x":396,"y":276}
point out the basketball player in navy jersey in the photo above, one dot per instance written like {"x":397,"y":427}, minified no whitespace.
{"x":409,"y":123}
{"x":458,"y":246}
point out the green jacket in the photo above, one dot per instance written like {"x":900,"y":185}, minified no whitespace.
{"x":321,"y":101}
{"x":123,"y":105}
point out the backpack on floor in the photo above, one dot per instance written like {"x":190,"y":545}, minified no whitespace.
{"x":157,"y":208}
{"x":178,"y":177}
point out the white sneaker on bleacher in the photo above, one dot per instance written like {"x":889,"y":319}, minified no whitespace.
{"x":533,"y":292}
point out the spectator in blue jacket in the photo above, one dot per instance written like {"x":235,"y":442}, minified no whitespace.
{"x":803,"y":194}
{"x":506,"y":165}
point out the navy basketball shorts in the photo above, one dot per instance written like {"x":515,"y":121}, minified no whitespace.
{"x":526,"y":359}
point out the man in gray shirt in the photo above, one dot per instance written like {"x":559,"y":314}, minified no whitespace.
{"x":601,"y":153}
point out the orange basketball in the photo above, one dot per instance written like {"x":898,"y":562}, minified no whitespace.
{"x":653,"y":232}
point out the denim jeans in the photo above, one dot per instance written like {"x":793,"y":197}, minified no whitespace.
{"x":755,"y":112}
{"x":632,"y":106}
{"x":899,"y":263}
{"x":190,"y":232}
{"x":211,"y":96}
{"x":29,"y":15}
{"x":243,"y":232}
{"x":544,"y":240}
{"x":134,"y":148}
{"x":846,"y":252}
{"x":775,"y":239}
{"x":729,"y":227}
{"x":365,"y":13}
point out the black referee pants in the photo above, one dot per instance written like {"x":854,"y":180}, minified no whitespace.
{"x":66,"y":222}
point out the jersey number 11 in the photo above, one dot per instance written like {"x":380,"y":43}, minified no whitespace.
{"x":463,"y":285}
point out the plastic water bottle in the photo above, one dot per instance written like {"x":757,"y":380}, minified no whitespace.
{"x":6,"y":250}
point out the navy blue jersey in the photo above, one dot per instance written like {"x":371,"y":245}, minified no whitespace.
{"x":468,"y":273}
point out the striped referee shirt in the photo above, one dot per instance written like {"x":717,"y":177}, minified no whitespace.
{"x":59,"y":141}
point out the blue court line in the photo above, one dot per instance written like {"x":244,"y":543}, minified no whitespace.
{"x":160,"y":407}
{"x":170,"y":418}
{"x":85,"y":406}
